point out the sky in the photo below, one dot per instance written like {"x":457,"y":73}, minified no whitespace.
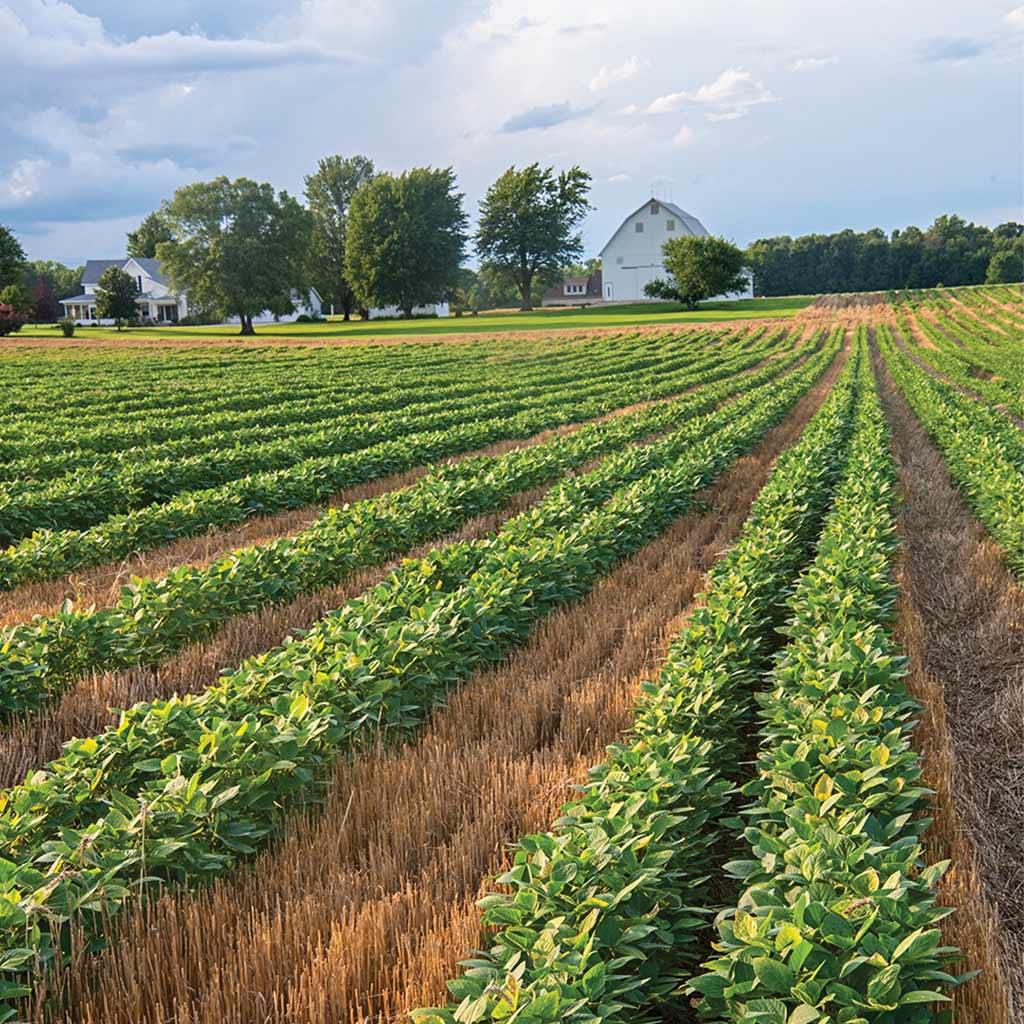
{"x":761,"y":117}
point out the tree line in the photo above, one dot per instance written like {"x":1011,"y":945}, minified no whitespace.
{"x":950,"y":252}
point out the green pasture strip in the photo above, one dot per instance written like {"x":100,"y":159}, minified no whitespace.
{"x":92,"y":490}
{"x":982,"y":449}
{"x":602,"y":918}
{"x":48,"y":554}
{"x":626,"y":315}
{"x":182,"y":789}
{"x":836,"y":922}
{"x":157,"y":617}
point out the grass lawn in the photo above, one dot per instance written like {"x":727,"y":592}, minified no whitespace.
{"x":483,"y":323}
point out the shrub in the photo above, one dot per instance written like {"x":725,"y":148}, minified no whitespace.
{"x":67,"y":327}
{"x":10,"y":319}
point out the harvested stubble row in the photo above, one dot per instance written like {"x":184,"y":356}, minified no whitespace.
{"x":49,"y":554}
{"x":156,"y":617}
{"x":185,"y":787}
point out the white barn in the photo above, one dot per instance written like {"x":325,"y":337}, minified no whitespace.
{"x":632,"y":256}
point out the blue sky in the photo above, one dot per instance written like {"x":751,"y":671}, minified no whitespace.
{"x":759,"y":116}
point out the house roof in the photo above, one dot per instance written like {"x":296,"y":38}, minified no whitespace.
{"x":687,"y":220}
{"x":94,"y":268}
{"x":592,"y":281}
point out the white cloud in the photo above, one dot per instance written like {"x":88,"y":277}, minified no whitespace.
{"x":619,"y":179}
{"x":1015,"y":18}
{"x":622,"y":73}
{"x":683,"y":137}
{"x":813,"y":63}
{"x":55,"y":36}
{"x":726,"y":115}
{"x":734,"y":87}
{"x":630,"y":108}
{"x":24,"y":180}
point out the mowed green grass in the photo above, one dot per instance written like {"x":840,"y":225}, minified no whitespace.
{"x":484,"y":323}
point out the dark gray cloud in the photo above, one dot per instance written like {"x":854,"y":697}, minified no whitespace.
{"x":544,"y":117}
{"x":944,"y":48}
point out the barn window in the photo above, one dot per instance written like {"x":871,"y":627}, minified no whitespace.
{"x":670,"y":225}
{"x":618,"y":260}
{"x":639,"y":227}
{"x":654,"y":207}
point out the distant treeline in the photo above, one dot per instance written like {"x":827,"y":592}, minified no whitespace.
{"x":950,"y":252}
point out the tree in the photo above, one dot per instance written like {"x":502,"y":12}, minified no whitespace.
{"x":236,"y":248}
{"x":699,"y":268}
{"x":406,"y":239}
{"x":528,"y":220}
{"x":19,"y":298}
{"x":329,"y":192}
{"x":116,"y":292}
{"x":12,"y":258}
{"x":149,"y":234}
{"x":44,"y":301}
{"x":10,"y":320}
{"x":65,"y":281}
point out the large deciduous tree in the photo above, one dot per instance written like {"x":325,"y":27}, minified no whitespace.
{"x":237,"y":247}
{"x":698,"y":268}
{"x":528,"y":222}
{"x":406,"y":238}
{"x":116,"y":292}
{"x":329,"y":192}
{"x":12,"y":258}
{"x":149,"y":234}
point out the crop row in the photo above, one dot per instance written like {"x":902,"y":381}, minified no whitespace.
{"x":182,"y":788}
{"x":602,"y":919}
{"x":968,"y":363}
{"x":46,"y":451}
{"x":90,"y":489}
{"x":267,"y":378}
{"x":48,"y":554}
{"x":156,"y":617}
{"x":837,"y":917}
{"x":982,"y":449}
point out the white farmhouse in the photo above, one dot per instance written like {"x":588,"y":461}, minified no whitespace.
{"x":632,"y":256}
{"x":156,"y":301}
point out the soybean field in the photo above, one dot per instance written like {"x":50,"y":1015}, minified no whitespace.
{"x":662,"y":673}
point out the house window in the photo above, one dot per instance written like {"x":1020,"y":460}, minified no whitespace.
{"x":639,"y":227}
{"x":654,"y":207}
{"x":618,"y":260}
{"x":670,"y":225}
{"x":138,"y":281}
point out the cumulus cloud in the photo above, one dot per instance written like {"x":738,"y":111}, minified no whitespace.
{"x":544,"y":117}
{"x":620,"y":179}
{"x":811,"y":63}
{"x":608,"y":76}
{"x":733,"y":88}
{"x":942,"y":48}
{"x":1015,"y":18}
{"x":57,"y":37}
